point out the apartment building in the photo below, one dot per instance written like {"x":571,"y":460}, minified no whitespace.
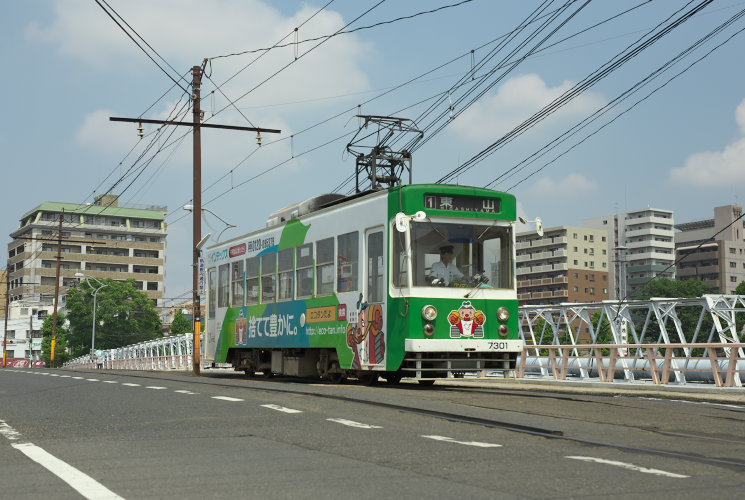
{"x":713,"y":250}
{"x":641,"y":246}
{"x":102,"y":240}
{"x":566,"y":264}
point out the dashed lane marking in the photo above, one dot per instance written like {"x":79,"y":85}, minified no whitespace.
{"x":226,"y":398}
{"x":282,"y":409}
{"x":184,"y":391}
{"x":633,"y":467}
{"x":110,"y":382}
{"x":352,"y":423}
{"x":467,"y":443}
{"x":156,"y":387}
{"x":130,"y":384}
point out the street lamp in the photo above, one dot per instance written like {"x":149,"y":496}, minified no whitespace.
{"x":87,"y":280}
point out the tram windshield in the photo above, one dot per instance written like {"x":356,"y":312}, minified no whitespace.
{"x":456,"y":255}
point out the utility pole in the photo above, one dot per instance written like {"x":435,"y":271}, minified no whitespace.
{"x":197,"y":125}
{"x":7,"y":312}
{"x":56,"y":288}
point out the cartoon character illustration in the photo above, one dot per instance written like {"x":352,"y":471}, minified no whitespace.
{"x":466,"y":322}
{"x":365,"y":337}
{"x":241,"y":327}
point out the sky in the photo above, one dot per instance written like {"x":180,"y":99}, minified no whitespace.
{"x":678,"y":145}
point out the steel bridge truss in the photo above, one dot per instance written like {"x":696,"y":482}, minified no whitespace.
{"x":644,"y":338}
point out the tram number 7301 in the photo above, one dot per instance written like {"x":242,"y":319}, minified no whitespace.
{"x":498,"y":346}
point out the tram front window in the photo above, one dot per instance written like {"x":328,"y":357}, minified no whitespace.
{"x":461,"y":255}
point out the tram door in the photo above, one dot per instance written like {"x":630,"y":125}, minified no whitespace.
{"x":373,"y":352}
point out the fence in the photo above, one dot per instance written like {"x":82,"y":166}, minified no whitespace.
{"x":659,"y":341}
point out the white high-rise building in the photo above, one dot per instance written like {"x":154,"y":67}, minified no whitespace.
{"x":641,"y":246}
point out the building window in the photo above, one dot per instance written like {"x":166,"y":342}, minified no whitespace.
{"x":152,"y":286}
{"x":733,"y":264}
{"x":733,"y":279}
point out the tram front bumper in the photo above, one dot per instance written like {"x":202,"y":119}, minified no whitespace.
{"x":464,"y":345}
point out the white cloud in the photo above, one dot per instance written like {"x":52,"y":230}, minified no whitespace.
{"x":571,"y":186}
{"x":515,"y":101}
{"x":99,"y":134}
{"x":716,"y":168}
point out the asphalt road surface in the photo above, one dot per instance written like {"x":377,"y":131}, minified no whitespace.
{"x":87,"y":434}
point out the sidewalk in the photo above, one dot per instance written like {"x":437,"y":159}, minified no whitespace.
{"x":690,"y":391}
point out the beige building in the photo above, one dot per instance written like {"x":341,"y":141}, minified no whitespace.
{"x":3,"y":295}
{"x":566,"y":264}
{"x":713,"y":250}
{"x":102,"y":240}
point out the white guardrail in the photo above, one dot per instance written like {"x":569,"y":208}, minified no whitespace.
{"x":648,"y":344}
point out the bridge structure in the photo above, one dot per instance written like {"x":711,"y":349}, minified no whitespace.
{"x":659,"y":341}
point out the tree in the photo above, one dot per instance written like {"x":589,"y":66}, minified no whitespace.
{"x":60,"y":352}
{"x":665,"y":287}
{"x":181,"y":324}
{"x":124,"y":316}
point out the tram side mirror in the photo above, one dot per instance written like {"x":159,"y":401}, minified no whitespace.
{"x":402,"y":222}
{"x":419,"y":216}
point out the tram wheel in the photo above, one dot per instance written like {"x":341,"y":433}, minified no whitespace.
{"x":368,"y":379}
{"x":250,"y":373}
{"x":393,"y":378}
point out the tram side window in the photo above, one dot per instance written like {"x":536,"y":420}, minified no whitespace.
{"x":252,"y":281}
{"x":223,"y":285}
{"x":325,"y":267}
{"x":212,"y":296}
{"x":400,"y":260}
{"x":238,"y":283}
{"x":286,"y":260}
{"x":268,"y":277}
{"x":348,"y":262}
{"x":375,"y":268}
{"x":304,"y":259}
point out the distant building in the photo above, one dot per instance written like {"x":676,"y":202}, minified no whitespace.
{"x":713,"y":250}
{"x":566,"y":264}
{"x":641,"y":246}
{"x":102,"y":240}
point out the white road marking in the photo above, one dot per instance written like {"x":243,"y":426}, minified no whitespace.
{"x":65,"y":376}
{"x":130,"y":384}
{"x":629,"y":466}
{"x":78,"y":378}
{"x":467,"y":443}
{"x":54,"y":375}
{"x":80,"y":482}
{"x":92,"y":380}
{"x":156,"y":387}
{"x":184,"y":391}
{"x":352,"y":423}
{"x":226,"y":398}
{"x":110,"y":382}
{"x":704,"y":403}
{"x":8,"y":432}
{"x":281,"y":408}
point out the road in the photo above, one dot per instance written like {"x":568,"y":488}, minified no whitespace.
{"x":86,"y":434}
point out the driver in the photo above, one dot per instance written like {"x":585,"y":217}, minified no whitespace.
{"x":445,"y":269}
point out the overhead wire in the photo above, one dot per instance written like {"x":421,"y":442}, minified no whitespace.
{"x":590,"y":80}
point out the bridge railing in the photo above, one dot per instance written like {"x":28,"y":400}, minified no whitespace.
{"x":719,"y":363}
{"x":166,"y":353}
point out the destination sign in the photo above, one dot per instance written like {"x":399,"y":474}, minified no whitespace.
{"x":461,"y":203}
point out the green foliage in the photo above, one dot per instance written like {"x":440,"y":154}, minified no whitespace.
{"x":60,"y":351}
{"x":181,"y":324}
{"x":124,"y":316}
{"x":665,"y":287}
{"x":740,"y":290}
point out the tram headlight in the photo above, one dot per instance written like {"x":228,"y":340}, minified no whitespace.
{"x":503,"y":314}
{"x":429,"y":313}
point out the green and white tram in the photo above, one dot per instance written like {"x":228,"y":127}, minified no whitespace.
{"x":414,"y":281}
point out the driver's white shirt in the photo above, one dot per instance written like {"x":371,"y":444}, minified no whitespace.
{"x":447,"y":273}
